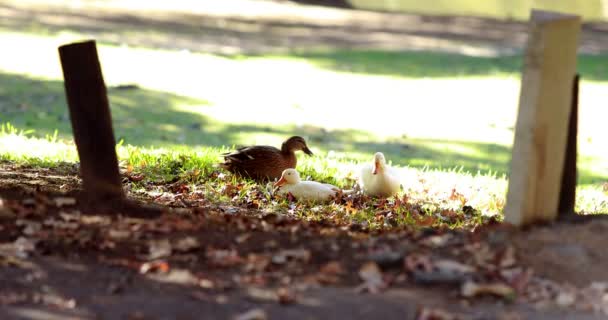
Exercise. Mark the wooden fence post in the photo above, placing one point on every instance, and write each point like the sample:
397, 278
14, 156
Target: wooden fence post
92, 127
541, 131
91, 120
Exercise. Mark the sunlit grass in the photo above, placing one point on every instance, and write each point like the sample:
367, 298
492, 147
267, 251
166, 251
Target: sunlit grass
446, 120
436, 110
430, 189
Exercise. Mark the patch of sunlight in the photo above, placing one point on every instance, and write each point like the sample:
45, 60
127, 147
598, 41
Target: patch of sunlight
590, 199
592, 120
296, 92
20, 146
168, 127
456, 148
265, 138
440, 184
125, 102
519, 9
284, 93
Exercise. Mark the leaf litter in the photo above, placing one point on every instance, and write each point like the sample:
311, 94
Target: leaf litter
279, 250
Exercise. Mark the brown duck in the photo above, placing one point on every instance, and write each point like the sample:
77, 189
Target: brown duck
264, 162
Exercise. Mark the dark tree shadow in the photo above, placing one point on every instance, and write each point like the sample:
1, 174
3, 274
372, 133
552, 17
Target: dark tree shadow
147, 118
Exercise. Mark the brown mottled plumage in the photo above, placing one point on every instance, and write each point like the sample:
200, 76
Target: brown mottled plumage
264, 162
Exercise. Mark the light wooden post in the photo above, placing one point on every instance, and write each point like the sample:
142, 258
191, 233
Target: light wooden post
542, 122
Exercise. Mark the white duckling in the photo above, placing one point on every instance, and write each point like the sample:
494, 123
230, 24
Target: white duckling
290, 182
378, 179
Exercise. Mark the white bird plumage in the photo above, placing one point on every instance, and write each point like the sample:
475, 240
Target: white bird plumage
290, 182
379, 179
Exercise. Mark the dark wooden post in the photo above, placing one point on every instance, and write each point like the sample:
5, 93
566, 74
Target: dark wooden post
568, 191
91, 121
92, 127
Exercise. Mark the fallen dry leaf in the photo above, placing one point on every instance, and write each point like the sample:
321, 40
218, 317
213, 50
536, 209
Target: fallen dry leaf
418, 262
565, 298
153, 266
372, 277
30, 227
253, 314
242, 238
262, 294
510, 315
119, 234
257, 262
223, 258
186, 244
518, 278
291, 254
159, 249
453, 266
506, 258
332, 267
471, 289
594, 297
177, 276
286, 296
444, 271
425, 221
435, 314
64, 201
24, 246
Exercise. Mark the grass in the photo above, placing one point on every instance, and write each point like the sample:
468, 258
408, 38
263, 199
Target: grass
428, 194
445, 119
452, 198
437, 64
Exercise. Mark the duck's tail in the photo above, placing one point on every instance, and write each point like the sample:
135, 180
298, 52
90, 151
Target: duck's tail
349, 192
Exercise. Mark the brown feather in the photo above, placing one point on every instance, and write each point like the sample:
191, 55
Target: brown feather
263, 162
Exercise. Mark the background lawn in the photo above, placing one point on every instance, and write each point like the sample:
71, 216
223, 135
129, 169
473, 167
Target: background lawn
429, 112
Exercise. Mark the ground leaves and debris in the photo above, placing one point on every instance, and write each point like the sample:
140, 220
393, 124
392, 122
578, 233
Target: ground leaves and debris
272, 258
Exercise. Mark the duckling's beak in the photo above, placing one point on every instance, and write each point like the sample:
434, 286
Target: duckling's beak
376, 168
281, 182
307, 151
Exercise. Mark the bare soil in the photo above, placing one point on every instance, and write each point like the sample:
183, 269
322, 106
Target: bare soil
61, 261
250, 27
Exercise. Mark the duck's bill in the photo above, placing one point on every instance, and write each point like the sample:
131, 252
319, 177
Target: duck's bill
307, 151
376, 167
280, 182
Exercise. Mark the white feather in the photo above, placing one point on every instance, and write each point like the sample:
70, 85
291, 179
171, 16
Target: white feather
385, 183
306, 190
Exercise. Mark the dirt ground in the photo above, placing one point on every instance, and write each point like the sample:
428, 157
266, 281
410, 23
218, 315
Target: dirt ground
59, 260
250, 27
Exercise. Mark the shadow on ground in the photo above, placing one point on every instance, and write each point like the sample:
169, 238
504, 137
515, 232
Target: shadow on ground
48, 252
374, 43
437, 64
147, 118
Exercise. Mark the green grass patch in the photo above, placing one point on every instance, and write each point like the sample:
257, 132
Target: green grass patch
437, 65
451, 198
446, 120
